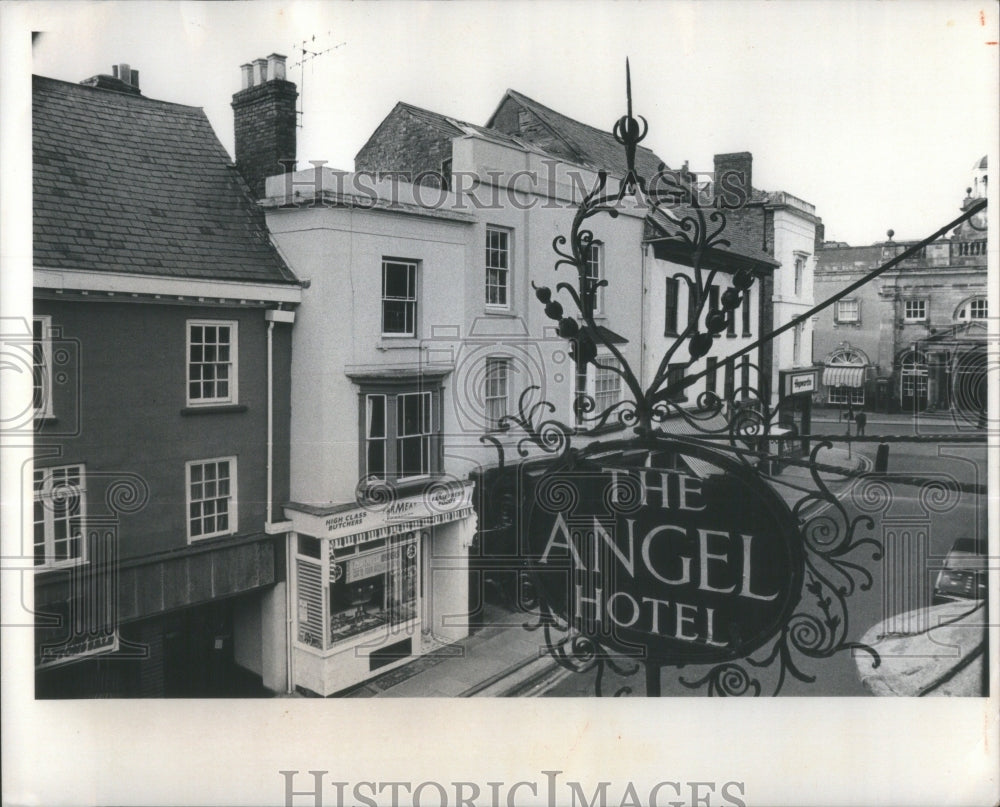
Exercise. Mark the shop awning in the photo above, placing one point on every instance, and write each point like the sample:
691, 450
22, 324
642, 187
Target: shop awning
835, 375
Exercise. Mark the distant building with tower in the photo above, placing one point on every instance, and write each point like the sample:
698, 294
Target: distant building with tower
914, 339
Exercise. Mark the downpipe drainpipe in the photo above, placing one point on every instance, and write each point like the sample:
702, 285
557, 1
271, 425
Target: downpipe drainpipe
272, 316
270, 417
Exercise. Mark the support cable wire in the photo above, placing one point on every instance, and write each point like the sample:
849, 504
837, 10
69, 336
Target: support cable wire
666, 392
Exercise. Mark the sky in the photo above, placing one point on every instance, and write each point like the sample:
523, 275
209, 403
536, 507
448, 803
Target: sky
873, 112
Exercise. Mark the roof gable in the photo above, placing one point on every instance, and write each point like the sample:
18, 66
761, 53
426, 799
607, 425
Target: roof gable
567, 137
125, 183
402, 116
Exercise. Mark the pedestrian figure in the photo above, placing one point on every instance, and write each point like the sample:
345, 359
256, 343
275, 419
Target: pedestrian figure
861, 419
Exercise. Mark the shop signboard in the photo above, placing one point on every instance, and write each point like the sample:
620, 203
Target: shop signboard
374, 563
799, 383
670, 551
79, 645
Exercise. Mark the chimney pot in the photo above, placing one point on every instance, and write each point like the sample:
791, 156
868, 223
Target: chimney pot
275, 67
247, 75
259, 71
125, 72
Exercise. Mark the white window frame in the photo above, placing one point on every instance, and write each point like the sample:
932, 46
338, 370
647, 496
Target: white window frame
496, 391
384, 439
393, 396
593, 391
856, 318
837, 395
411, 300
232, 510
48, 493
506, 285
233, 363
601, 377
597, 265
909, 308
426, 436
41, 380
800, 270
965, 310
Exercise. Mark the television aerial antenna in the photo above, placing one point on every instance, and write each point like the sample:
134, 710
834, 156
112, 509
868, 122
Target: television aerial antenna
306, 53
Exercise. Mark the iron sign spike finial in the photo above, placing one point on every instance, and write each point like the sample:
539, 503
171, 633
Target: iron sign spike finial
628, 87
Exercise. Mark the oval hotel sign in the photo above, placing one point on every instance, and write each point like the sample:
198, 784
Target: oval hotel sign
667, 545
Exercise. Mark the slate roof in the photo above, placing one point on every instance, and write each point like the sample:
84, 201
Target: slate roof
451, 127
455, 127
125, 183
595, 147
743, 241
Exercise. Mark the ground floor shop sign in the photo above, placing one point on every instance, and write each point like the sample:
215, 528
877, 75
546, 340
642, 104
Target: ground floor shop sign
681, 552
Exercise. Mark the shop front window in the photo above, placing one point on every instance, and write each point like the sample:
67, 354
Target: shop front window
845, 395
372, 587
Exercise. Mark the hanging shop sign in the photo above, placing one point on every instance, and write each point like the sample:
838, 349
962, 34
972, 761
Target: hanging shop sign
668, 546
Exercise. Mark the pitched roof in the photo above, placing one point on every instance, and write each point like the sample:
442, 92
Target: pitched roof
125, 183
744, 242
449, 127
594, 147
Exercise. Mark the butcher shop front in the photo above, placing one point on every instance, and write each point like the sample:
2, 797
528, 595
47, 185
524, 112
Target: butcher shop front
374, 586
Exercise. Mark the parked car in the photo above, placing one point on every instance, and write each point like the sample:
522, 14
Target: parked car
963, 576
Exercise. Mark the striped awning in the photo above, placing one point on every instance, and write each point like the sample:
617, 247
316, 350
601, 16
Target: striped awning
400, 527
841, 375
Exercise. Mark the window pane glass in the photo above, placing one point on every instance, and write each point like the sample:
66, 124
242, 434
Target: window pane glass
395, 282
394, 317
210, 362
376, 457
376, 415
409, 456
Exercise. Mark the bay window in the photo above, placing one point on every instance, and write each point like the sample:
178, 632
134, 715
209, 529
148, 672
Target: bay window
400, 433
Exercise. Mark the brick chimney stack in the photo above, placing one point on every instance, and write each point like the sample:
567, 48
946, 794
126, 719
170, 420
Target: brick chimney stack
734, 178
265, 121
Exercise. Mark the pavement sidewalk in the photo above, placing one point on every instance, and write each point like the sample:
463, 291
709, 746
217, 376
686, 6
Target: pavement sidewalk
925, 419
500, 655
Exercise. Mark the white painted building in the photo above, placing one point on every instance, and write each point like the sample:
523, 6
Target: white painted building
793, 231
422, 332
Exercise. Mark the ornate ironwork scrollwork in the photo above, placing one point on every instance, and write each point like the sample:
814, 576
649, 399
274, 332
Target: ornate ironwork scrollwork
742, 421
819, 627
578, 653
